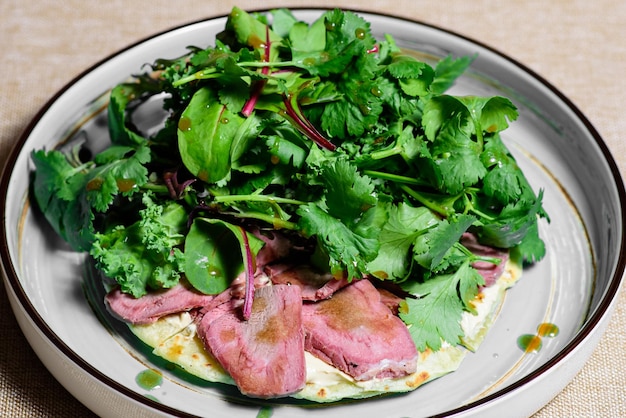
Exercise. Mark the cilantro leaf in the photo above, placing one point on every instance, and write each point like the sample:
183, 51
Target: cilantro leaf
348, 194
120, 169
453, 162
414, 76
504, 180
436, 314
447, 71
432, 248
512, 224
308, 43
532, 248
346, 249
397, 237
59, 190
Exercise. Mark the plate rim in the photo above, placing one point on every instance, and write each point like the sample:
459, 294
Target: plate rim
603, 308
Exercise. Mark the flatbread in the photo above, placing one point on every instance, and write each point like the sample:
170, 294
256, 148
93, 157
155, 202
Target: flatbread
174, 339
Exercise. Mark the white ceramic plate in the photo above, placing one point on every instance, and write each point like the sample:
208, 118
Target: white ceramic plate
574, 287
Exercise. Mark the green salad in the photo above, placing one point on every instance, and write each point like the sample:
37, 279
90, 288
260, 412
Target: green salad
347, 144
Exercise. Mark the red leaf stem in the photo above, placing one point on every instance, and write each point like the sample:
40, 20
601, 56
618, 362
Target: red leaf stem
248, 107
306, 127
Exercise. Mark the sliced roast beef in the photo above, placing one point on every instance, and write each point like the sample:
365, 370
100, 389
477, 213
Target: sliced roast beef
276, 246
390, 300
358, 334
237, 287
490, 271
265, 354
154, 305
313, 284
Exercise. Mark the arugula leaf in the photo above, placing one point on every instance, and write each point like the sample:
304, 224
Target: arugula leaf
251, 31
282, 21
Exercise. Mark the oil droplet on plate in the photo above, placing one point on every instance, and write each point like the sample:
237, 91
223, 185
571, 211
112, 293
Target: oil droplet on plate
547, 329
529, 343
149, 379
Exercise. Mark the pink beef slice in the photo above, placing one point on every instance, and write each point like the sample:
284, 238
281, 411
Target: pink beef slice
313, 284
265, 354
276, 246
491, 272
154, 305
358, 334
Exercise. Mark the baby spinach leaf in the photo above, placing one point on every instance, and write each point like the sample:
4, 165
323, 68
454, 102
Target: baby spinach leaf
206, 132
213, 254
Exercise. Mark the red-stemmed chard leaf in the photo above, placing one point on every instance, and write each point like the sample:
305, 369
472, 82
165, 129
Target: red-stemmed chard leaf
175, 188
294, 114
248, 107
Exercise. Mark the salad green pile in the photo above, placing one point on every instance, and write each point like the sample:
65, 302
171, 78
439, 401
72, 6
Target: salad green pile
345, 143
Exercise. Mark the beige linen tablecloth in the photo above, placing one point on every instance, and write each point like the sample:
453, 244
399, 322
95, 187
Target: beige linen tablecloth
579, 46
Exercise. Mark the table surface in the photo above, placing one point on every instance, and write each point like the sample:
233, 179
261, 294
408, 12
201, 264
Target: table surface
579, 46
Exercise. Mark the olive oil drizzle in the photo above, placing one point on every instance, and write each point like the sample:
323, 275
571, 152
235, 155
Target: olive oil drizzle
532, 343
